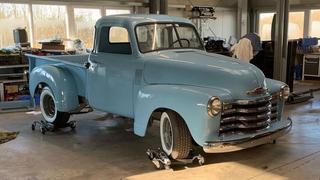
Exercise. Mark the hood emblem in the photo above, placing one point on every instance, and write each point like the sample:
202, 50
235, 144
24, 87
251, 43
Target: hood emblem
257, 91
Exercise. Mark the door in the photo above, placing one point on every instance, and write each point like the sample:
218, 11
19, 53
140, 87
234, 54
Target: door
111, 73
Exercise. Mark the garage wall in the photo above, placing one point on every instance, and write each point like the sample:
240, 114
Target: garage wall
224, 26
177, 12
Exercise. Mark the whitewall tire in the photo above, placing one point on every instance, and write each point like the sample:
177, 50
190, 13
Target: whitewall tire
49, 110
175, 136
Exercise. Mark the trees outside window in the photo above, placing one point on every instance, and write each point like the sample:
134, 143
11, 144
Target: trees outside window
265, 25
49, 22
296, 25
12, 16
315, 23
85, 20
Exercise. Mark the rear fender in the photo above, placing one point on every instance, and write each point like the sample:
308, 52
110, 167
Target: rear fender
60, 81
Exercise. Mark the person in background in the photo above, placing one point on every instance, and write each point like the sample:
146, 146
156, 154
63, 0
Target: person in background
243, 50
248, 47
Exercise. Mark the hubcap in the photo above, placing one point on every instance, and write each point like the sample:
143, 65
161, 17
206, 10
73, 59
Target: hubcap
49, 106
167, 134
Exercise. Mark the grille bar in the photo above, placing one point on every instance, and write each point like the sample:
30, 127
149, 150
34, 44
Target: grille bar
244, 116
248, 110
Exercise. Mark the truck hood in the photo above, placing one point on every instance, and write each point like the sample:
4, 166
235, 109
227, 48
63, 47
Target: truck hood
199, 68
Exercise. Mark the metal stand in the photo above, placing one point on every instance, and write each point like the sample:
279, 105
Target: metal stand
45, 126
161, 161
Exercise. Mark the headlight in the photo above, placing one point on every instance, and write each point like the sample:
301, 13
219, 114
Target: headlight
214, 106
284, 92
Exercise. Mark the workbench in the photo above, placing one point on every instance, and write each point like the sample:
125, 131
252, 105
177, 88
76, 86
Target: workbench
13, 76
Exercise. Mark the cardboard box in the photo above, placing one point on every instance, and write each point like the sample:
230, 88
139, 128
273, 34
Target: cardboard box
9, 89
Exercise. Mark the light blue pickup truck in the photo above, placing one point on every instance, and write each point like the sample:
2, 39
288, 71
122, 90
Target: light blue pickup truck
154, 67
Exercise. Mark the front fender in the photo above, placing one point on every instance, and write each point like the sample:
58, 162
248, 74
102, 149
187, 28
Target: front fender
274, 85
60, 81
188, 101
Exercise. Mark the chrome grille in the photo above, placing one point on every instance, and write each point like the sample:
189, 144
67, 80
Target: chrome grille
244, 116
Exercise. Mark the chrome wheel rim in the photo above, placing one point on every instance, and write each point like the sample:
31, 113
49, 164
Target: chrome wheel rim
166, 133
49, 106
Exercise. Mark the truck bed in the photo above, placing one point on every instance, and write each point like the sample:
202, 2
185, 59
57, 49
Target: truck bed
73, 63
76, 60
73, 59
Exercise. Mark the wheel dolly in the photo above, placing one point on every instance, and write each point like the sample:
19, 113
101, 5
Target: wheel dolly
45, 126
162, 161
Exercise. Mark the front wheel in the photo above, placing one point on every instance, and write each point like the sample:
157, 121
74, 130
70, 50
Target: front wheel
49, 110
175, 135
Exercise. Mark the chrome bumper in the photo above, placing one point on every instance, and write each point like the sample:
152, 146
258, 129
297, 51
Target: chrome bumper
239, 144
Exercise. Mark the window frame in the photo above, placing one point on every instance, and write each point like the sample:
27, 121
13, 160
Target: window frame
97, 41
165, 22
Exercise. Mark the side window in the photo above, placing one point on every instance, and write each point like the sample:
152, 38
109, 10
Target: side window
114, 40
118, 35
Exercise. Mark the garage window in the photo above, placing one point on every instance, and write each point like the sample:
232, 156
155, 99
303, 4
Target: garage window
12, 16
49, 22
265, 25
85, 20
296, 24
315, 23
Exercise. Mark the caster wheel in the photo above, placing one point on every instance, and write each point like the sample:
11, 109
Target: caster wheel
43, 130
33, 127
157, 164
73, 125
166, 167
150, 155
201, 161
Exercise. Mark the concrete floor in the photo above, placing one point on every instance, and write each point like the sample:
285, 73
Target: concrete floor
107, 149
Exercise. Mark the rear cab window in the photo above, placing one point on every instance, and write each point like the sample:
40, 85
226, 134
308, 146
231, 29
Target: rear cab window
114, 39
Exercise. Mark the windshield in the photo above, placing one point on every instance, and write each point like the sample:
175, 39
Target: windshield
155, 37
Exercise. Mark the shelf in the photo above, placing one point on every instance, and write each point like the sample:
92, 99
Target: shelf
13, 81
12, 74
7, 106
6, 55
14, 66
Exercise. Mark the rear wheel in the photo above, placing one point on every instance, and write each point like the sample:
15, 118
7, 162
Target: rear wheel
175, 135
49, 110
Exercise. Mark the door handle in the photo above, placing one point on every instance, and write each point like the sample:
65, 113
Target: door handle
87, 65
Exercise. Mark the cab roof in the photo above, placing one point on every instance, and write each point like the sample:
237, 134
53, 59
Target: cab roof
133, 19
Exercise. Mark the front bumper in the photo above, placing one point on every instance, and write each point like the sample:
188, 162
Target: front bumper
239, 144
